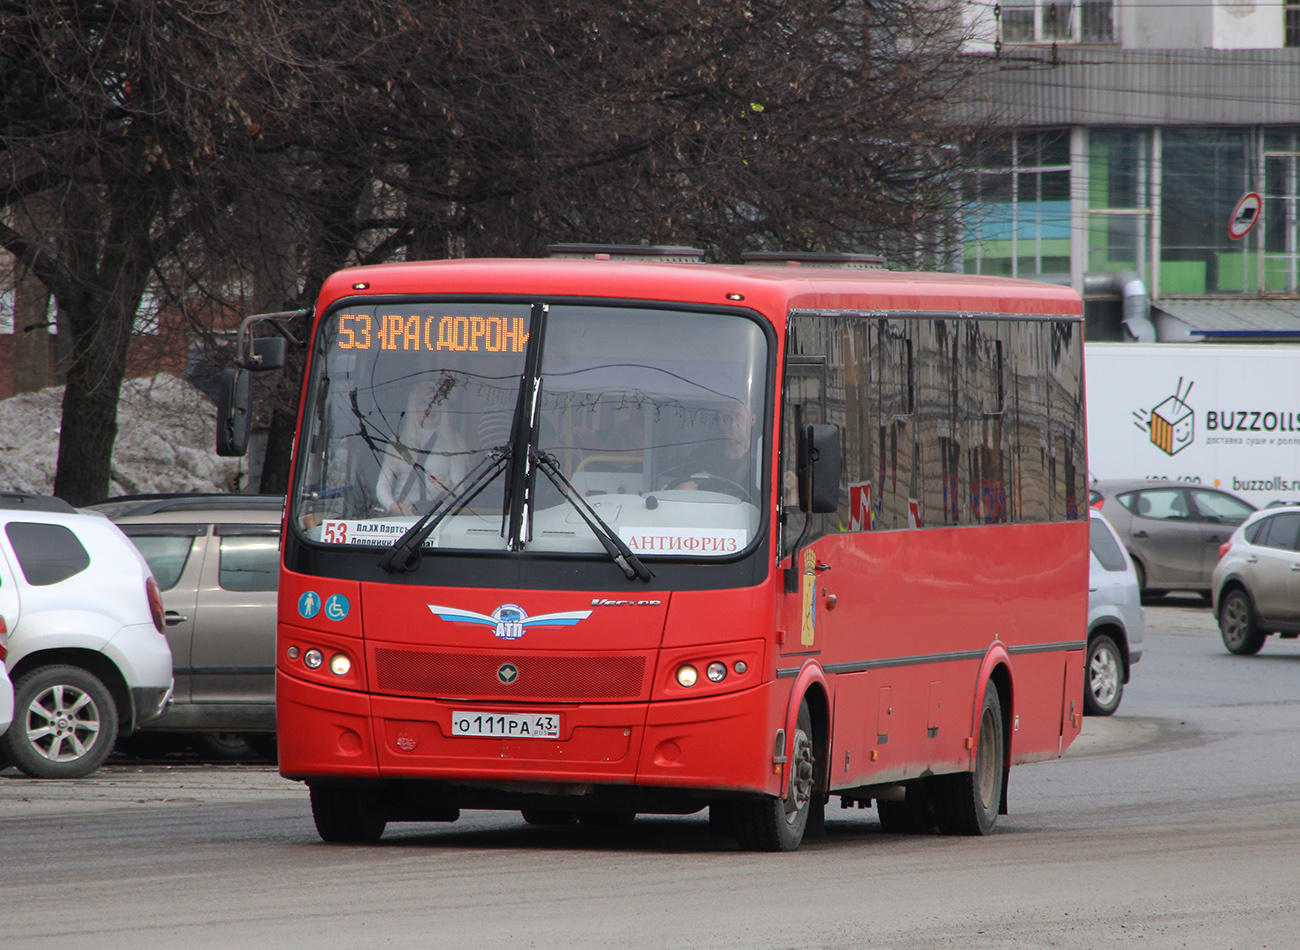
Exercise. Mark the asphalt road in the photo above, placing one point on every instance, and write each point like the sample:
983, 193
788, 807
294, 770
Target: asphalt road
1173, 824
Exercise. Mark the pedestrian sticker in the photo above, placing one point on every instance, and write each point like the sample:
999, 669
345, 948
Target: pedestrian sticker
309, 604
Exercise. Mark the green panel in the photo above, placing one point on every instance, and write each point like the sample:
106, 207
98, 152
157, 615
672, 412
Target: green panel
1182, 277
1232, 268
1051, 247
1277, 272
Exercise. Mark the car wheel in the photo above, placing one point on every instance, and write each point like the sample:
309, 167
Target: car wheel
1105, 671
1237, 624
346, 815
1141, 573
263, 744
967, 803
223, 746
65, 723
764, 823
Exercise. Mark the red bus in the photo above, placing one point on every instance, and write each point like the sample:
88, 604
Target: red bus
588, 538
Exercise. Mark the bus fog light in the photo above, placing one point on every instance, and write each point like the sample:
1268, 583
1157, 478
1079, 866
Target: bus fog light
687, 675
340, 665
716, 672
313, 658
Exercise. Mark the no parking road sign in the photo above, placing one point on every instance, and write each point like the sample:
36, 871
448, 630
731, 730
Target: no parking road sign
1245, 216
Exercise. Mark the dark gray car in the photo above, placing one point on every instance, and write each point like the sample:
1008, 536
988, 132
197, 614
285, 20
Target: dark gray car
216, 559
1172, 530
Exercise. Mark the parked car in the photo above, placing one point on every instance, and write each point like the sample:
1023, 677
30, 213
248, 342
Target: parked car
1257, 581
6, 692
1116, 620
1172, 530
216, 559
85, 649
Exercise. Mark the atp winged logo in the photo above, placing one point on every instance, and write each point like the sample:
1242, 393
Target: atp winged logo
509, 620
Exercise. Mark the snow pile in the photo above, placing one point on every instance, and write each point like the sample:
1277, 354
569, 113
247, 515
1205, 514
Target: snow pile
165, 440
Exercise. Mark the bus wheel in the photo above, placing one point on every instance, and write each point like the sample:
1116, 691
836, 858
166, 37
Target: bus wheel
549, 816
774, 824
346, 815
967, 803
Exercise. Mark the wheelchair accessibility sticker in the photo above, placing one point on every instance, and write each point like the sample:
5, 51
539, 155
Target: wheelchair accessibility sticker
336, 607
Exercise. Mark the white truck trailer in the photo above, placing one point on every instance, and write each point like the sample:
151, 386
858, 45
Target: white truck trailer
1223, 415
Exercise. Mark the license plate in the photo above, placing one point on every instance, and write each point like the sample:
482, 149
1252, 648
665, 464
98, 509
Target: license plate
506, 725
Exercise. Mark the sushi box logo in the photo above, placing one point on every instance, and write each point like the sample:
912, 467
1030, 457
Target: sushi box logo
1171, 425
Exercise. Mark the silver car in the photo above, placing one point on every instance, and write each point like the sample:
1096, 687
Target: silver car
1172, 530
1116, 620
1257, 581
216, 559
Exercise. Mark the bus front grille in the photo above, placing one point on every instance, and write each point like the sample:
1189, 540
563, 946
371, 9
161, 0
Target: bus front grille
474, 675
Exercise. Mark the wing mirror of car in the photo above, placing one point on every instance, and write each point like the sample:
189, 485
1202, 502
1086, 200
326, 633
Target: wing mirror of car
234, 411
819, 469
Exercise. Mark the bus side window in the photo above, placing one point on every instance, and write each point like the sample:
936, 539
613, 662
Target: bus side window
803, 403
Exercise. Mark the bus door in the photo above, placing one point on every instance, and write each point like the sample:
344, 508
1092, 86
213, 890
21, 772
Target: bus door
803, 403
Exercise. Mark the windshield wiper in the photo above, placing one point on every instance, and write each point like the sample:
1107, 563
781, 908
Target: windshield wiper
614, 546
406, 552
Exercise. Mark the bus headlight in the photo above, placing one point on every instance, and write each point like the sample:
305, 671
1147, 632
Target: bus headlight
716, 672
687, 675
313, 659
340, 665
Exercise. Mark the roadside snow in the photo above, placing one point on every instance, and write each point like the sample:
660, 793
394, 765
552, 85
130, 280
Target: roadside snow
165, 440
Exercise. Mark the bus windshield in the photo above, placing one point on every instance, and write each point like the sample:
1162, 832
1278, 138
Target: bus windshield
654, 417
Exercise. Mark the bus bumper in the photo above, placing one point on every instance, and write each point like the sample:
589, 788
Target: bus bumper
720, 743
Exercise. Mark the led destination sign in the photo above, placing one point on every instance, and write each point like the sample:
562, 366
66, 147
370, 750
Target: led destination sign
468, 334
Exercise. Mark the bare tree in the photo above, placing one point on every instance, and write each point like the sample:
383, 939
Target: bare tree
226, 156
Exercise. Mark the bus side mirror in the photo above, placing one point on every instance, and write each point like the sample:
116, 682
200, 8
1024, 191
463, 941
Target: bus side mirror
819, 469
234, 411
269, 352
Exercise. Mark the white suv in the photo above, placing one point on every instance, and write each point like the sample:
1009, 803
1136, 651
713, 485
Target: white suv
84, 647
6, 689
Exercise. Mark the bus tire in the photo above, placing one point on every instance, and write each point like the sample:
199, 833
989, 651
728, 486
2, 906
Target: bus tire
967, 803
764, 823
1241, 634
65, 723
346, 815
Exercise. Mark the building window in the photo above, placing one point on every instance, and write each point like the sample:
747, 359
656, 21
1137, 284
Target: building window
1291, 22
1056, 21
1019, 216
1204, 174
1118, 210
1280, 233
